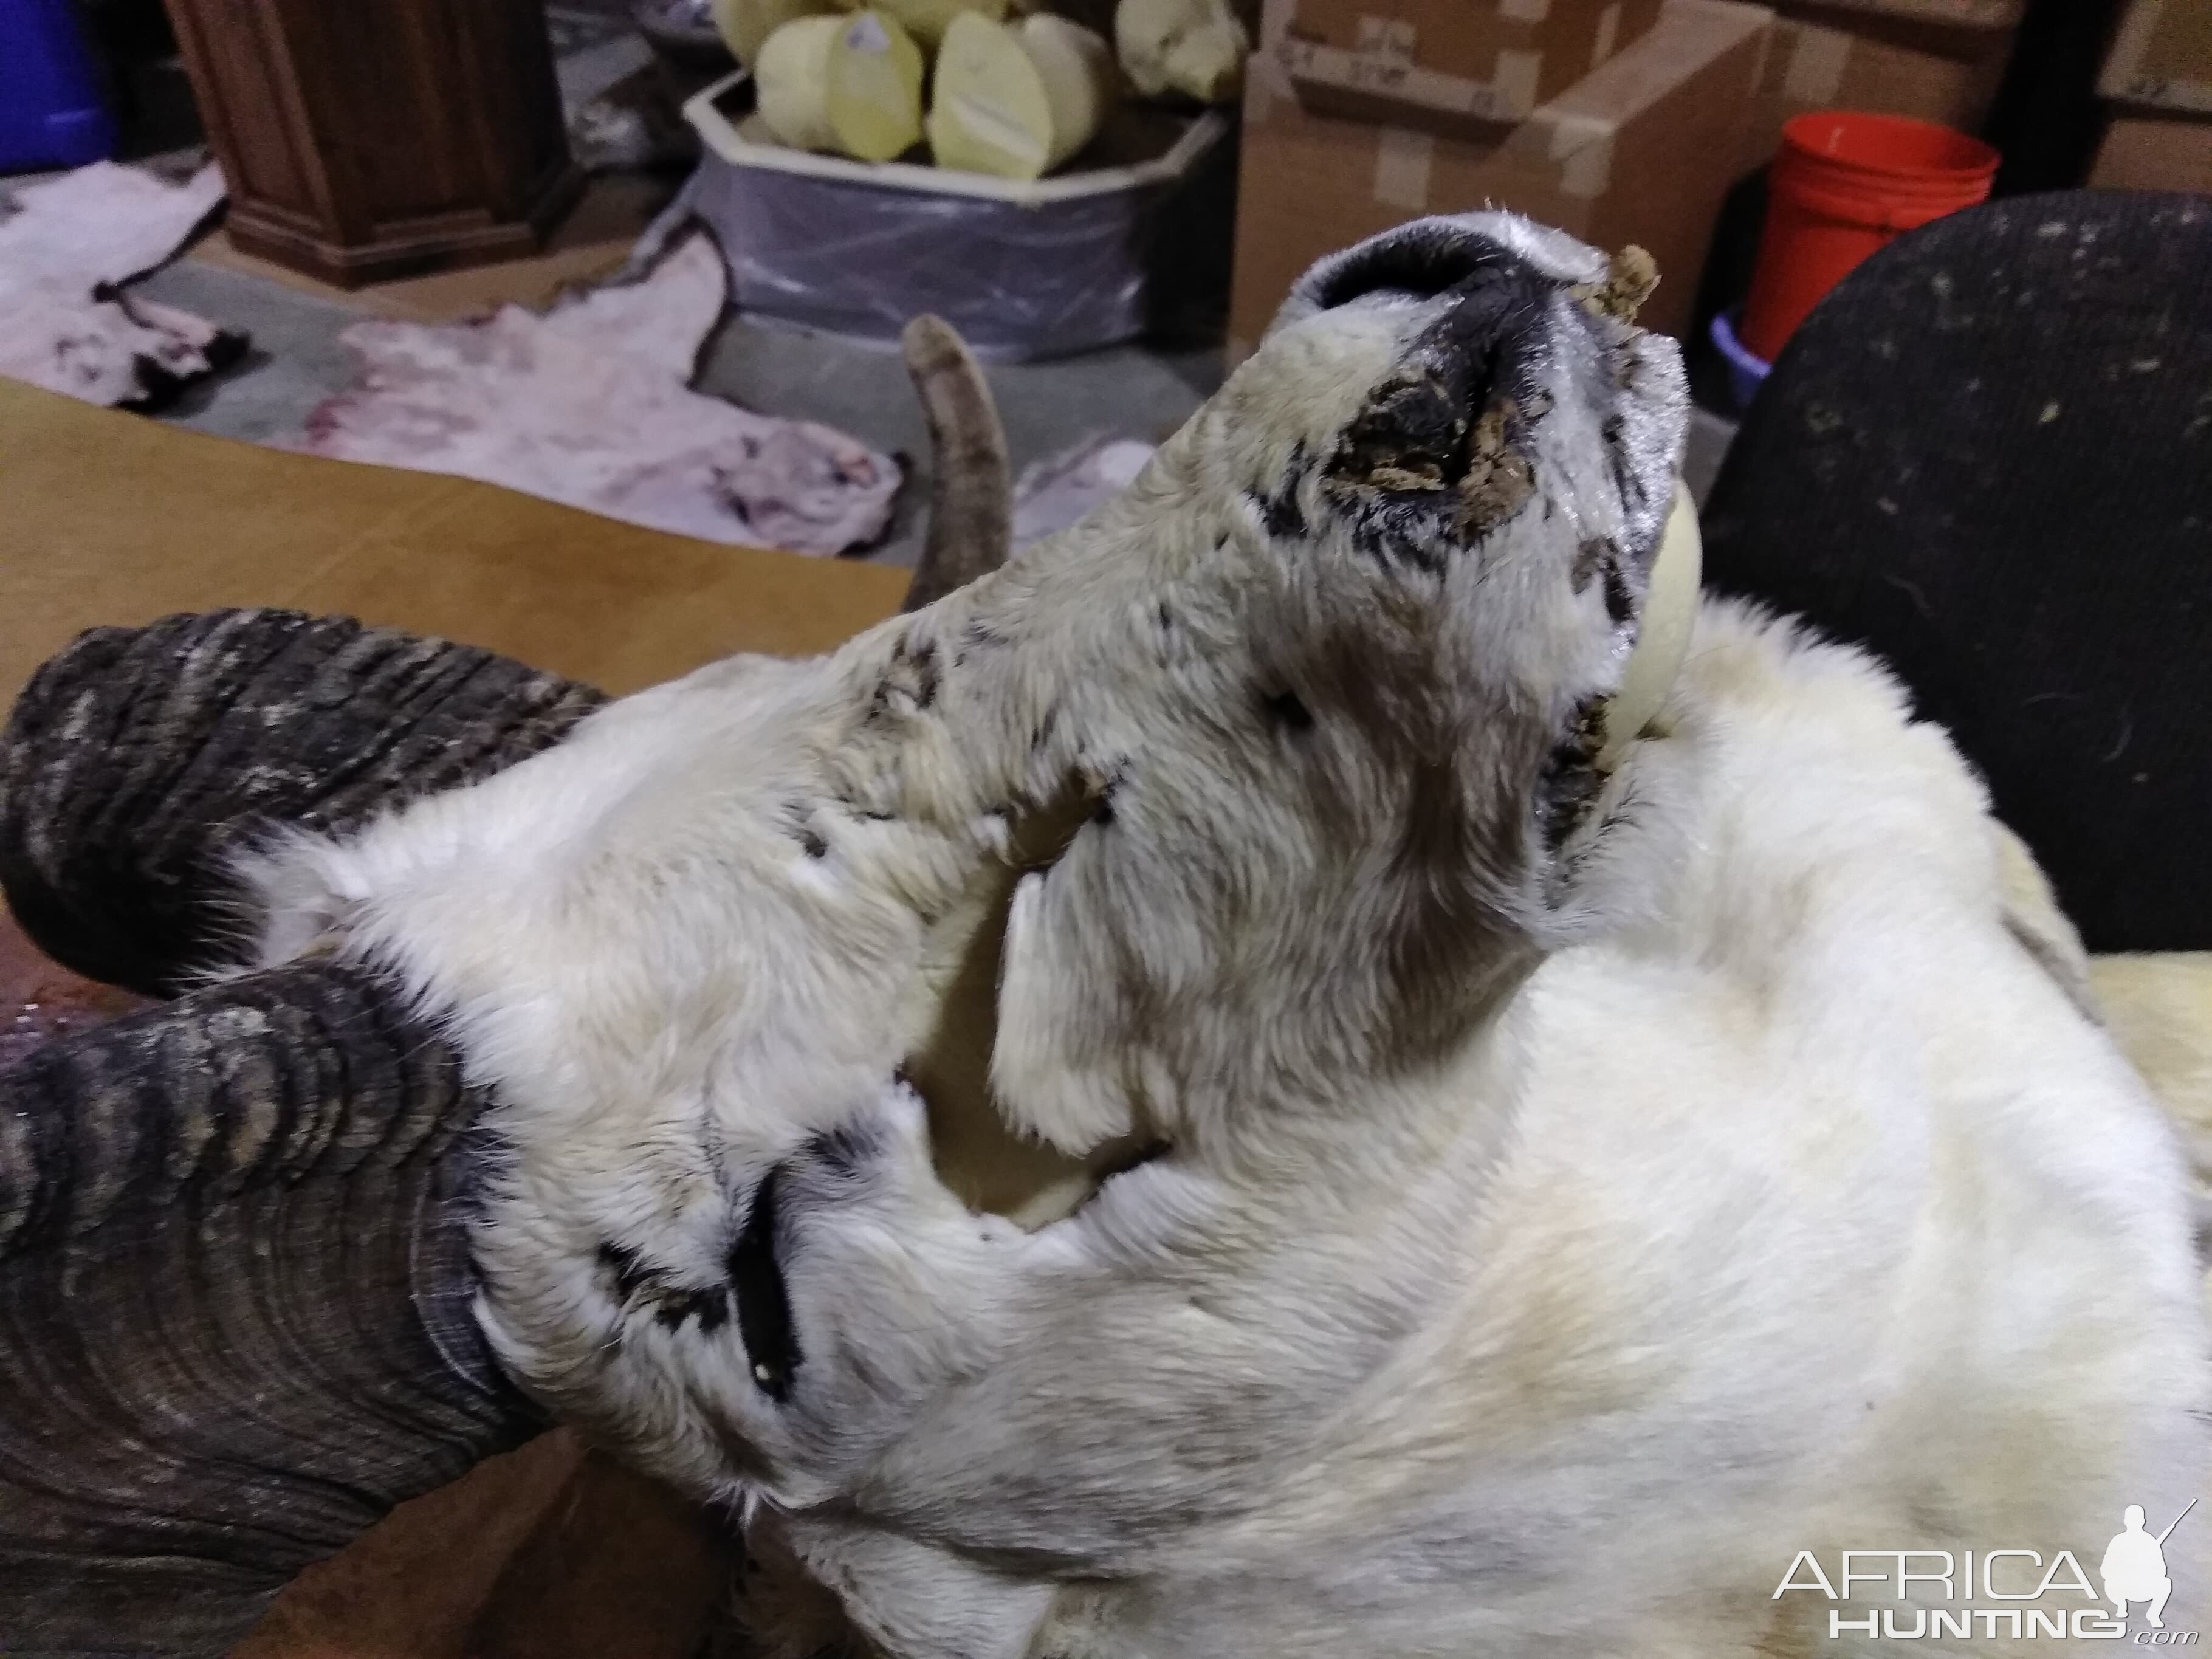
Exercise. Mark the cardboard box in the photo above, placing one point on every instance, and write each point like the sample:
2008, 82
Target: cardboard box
1458, 67
1944, 14
1824, 59
1640, 151
2162, 56
2142, 154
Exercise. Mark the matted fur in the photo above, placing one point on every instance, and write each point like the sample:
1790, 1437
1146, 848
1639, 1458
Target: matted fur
1574, 1194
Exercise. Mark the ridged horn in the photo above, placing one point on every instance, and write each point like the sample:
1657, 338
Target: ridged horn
235, 1297
971, 496
139, 759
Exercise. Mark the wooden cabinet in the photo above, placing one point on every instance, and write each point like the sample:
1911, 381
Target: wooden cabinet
365, 139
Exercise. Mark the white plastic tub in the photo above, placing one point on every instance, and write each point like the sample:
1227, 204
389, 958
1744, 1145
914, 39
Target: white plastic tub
1022, 268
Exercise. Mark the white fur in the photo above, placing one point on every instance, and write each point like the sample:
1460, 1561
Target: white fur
1554, 1235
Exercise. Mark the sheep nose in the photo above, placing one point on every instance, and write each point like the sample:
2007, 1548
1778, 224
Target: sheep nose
1422, 261
1451, 406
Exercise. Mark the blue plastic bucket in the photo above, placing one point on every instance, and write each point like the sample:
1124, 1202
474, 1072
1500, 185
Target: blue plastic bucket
1747, 372
51, 112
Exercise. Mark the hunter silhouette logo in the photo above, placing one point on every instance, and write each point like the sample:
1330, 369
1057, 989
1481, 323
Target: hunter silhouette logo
2134, 1567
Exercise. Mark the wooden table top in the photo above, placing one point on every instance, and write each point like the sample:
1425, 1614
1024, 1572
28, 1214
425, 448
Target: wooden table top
106, 517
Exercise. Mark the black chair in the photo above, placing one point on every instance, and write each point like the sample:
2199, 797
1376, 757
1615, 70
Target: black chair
1987, 454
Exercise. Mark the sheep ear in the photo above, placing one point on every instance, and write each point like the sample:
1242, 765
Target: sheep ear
971, 498
1043, 1088
1663, 626
2033, 917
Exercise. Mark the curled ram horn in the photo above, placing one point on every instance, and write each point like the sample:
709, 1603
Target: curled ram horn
235, 1290
140, 760
235, 1295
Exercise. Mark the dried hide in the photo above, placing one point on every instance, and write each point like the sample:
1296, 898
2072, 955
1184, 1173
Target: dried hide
1519, 1199
590, 403
67, 323
1230, 1087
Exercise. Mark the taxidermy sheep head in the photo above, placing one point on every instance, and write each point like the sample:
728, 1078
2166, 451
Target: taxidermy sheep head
1259, 785
1042, 1110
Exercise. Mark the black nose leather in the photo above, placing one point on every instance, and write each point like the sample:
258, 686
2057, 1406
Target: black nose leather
1420, 262
1438, 456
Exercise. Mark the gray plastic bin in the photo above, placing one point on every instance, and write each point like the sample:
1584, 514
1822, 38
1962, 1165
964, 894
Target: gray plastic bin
1022, 268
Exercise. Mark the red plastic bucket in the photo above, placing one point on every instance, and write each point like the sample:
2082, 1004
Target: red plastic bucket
1842, 185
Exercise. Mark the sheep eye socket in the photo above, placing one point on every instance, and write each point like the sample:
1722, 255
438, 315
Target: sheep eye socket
764, 1322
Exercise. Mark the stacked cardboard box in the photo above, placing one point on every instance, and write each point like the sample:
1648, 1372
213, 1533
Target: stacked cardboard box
1936, 60
1451, 66
2160, 71
2139, 154
2162, 57
1641, 149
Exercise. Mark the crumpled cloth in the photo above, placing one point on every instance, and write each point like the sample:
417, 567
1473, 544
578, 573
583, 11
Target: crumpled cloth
590, 403
66, 321
1055, 492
